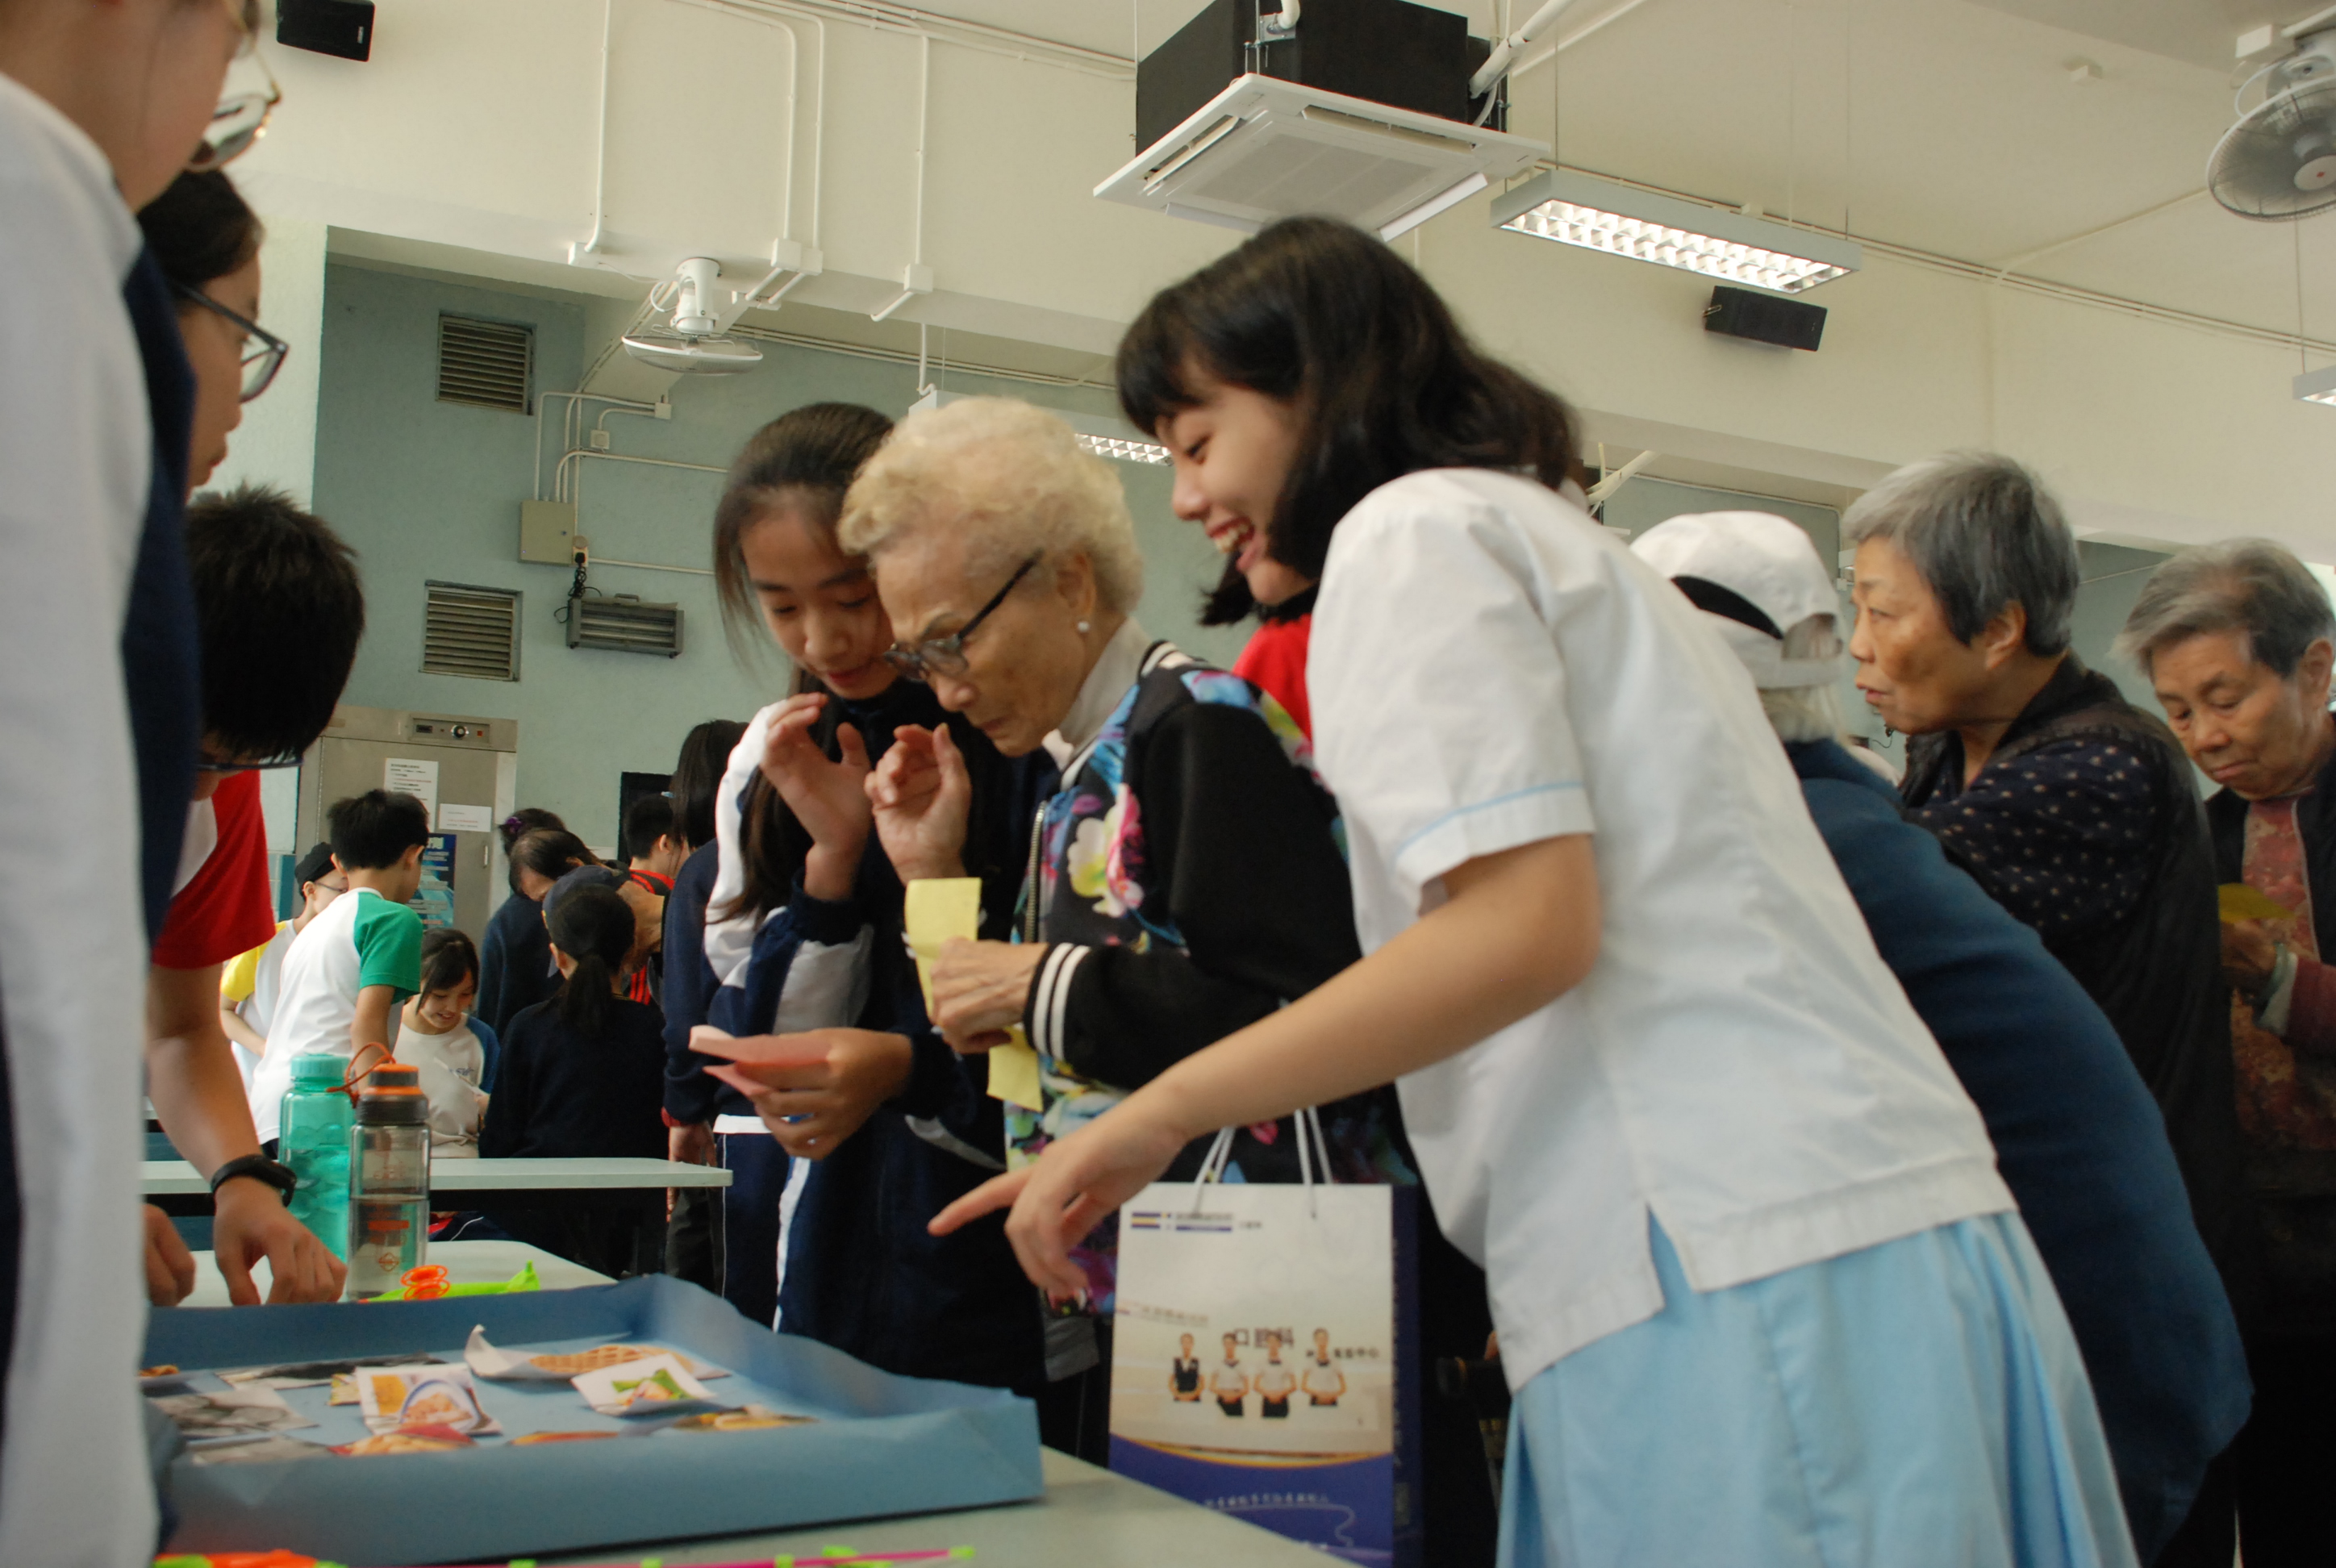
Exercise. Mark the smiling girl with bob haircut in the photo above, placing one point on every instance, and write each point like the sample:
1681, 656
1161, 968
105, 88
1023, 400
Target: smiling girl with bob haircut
1762, 1296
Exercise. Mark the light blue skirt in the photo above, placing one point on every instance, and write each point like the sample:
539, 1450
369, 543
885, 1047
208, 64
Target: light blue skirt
1920, 1404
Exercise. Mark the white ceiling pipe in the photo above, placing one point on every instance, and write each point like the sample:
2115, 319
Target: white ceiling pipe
1496, 64
1619, 477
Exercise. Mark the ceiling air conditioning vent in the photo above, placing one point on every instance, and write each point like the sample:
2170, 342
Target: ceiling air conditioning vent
625, 626
471, 631
1265, 149
484, 363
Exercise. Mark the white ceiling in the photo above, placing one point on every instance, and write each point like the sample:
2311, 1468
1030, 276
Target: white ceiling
1951, 126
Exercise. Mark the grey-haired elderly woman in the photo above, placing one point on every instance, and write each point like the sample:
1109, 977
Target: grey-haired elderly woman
2238, 640
1186, 878
2073, 808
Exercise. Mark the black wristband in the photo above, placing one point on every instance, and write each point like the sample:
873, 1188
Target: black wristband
259, 1167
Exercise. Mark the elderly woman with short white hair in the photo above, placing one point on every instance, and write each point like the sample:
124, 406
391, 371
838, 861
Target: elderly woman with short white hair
1187, 879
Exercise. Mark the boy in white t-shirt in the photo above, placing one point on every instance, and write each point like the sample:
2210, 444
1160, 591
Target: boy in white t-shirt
344, 976
249, 986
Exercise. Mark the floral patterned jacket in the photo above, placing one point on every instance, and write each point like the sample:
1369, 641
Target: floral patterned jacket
1189, 878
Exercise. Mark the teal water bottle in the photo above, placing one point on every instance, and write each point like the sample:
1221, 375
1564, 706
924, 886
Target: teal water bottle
313, 1139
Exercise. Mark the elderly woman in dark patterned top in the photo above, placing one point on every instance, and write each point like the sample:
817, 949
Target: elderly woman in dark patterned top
2238, 640
2073, 808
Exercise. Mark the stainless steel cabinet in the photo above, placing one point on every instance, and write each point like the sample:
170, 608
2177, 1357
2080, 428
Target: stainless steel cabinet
465, 767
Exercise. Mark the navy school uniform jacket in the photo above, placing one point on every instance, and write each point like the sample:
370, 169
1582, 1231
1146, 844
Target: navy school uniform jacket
691, 1094
2077, 1137
515, 968
861, 1272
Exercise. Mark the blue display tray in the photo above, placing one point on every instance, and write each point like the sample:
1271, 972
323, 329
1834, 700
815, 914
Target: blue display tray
882, 1445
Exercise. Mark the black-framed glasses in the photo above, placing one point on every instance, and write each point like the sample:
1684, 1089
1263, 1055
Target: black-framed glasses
946, 655
241, 118
260, 364
264, 764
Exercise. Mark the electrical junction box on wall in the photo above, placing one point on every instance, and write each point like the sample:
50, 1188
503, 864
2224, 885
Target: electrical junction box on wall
547, 532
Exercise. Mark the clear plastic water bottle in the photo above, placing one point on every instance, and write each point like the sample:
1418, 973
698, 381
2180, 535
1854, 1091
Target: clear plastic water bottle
389, 1181
313, 1139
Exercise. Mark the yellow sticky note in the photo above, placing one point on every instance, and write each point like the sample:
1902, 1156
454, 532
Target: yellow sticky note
1014, 1075
2244, 901
939, 910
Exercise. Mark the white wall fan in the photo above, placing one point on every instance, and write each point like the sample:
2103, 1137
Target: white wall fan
2279, 161
696, 342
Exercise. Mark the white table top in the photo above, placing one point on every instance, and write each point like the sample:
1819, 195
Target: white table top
163, 1178
1088, 1518
466, 1264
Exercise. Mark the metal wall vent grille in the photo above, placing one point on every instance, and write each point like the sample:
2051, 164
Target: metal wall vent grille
471, 631
484, 363
624, 625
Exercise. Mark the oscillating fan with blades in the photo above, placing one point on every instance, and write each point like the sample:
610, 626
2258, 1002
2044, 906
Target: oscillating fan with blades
2279, 161
697, 342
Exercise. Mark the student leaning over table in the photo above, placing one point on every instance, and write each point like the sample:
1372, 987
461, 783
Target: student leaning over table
269, 580
1761, 1292
1185, 877
100, 105
2238, 640
804, 929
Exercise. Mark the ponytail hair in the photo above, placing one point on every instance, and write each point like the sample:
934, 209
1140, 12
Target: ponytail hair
551, 853
806, 458
525, 821
594, 928
448, 958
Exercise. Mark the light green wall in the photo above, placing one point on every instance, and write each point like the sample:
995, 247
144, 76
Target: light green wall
425, 491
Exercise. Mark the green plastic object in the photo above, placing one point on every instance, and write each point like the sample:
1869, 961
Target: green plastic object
314, 1141
525, 1279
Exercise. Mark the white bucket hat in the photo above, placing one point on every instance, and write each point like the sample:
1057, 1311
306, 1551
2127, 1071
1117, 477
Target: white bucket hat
1755, 575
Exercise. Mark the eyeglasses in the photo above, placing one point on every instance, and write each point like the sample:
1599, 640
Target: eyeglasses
259, 365
247, 765
240, 119
946, 655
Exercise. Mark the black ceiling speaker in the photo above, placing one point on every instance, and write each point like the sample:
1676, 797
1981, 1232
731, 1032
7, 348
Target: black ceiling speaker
1765, 318
342, 27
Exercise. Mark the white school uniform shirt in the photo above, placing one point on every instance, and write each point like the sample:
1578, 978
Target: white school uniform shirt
359, 939
448, 1067
256, 1006
76, 448
1489, 668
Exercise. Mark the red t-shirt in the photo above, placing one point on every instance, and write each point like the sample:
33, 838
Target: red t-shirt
1275, 662
225, 909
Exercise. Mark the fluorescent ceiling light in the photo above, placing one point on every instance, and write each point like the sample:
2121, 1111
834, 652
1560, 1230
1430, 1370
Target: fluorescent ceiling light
1105, 437
1575, 210
2317, 386
1120, 450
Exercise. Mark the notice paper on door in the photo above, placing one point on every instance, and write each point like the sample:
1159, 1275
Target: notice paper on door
411, 776
938, 911
454, 819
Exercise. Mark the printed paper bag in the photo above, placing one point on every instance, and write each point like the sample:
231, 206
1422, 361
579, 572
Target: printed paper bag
1263, 1365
